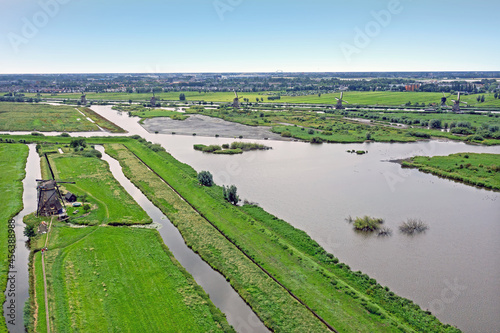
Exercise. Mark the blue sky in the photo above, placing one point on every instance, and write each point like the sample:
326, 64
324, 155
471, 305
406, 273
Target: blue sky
91, 36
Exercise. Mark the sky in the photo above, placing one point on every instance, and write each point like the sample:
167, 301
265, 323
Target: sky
174, 36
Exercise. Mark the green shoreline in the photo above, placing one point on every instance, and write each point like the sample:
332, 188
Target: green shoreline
481, 170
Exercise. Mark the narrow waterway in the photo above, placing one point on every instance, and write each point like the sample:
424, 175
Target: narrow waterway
17, 292
238, 313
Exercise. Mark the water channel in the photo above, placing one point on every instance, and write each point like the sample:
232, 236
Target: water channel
453, 269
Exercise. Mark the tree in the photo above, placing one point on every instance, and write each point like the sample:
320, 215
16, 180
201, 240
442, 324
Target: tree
29, 231
368, 136
496, 95
482, 99
435, 123
230, 194
182, 97
129, 101
478, 98
205, 178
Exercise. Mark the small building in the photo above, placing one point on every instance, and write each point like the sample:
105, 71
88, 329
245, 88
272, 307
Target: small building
83, 99
70, 197
48, 199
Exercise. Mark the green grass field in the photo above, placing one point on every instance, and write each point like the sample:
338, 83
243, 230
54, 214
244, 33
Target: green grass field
101, 121
353, 97
12, 163
42, 118
481, 170
113, 205
332, 290
118, 279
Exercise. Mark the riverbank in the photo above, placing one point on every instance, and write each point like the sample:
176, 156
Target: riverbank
481, 170
13, 159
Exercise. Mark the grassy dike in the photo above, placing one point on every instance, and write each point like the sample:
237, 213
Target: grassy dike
349, 301
346, 300
13, 159
108, 278
482, 170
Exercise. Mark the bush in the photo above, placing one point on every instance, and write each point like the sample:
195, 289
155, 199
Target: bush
367, 223
230, 194
310, 131
413, 226
286, 134
211, 148
92, 153
316, 139
205, 178
435, 123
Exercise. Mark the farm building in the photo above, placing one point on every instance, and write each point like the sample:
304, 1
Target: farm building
70, 197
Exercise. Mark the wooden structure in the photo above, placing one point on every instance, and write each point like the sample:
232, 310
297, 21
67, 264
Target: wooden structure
70, 197
49, 197
340, 100
152, 101
456, 104
236, 100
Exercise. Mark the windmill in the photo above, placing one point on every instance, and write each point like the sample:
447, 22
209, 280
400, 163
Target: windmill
236, 100
340, 101
456, 104
153, 99
49, 196
444, 99
83, 99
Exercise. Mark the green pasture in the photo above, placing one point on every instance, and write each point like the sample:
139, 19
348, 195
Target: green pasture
481, 170
12, 163
118, 279
42, 118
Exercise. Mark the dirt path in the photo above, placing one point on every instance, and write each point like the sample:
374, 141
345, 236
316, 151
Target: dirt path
45, 278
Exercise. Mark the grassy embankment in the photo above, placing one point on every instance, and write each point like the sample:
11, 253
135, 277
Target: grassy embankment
113, 278
101, 121
12, 163
349, 301
481, 170
144, 112
353, 97
42, 117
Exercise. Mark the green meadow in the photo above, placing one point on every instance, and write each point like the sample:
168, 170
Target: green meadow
111, 203
12, 163
353, 97
42, 118
481, 170
119, 279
